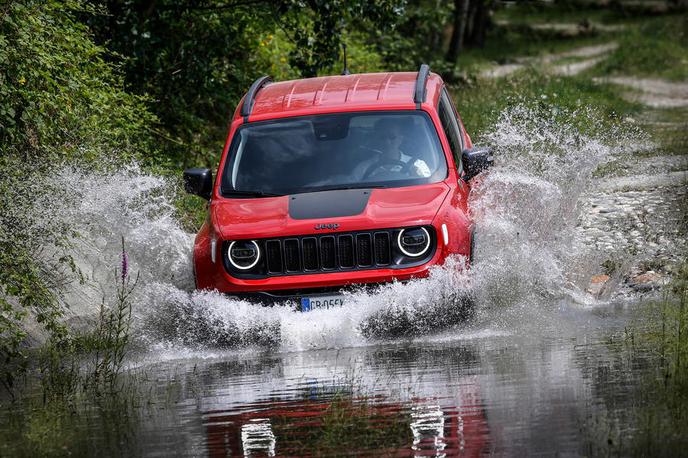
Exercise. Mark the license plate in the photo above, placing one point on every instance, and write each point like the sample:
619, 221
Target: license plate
321, 302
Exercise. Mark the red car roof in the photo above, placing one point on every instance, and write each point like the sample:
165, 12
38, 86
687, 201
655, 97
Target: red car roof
332, 93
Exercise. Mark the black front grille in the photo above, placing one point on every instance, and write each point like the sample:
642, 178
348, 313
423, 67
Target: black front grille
364, 250
292, 255
273, 252
328, 252
382, 248
346, 251
310, 253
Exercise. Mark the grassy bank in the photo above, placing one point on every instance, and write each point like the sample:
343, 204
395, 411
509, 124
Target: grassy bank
480, 102
655, 47
662, 413
656, 346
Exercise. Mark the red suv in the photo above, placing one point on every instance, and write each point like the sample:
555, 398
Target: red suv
335, 181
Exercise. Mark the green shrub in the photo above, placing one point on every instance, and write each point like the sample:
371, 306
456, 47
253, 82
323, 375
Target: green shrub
61, 99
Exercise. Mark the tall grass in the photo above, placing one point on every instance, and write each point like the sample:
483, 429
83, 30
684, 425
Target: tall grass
656, 47
660, 408
113, 332
663, 417
73, 364
79, 377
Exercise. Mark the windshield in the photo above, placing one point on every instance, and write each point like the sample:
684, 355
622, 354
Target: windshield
334, 151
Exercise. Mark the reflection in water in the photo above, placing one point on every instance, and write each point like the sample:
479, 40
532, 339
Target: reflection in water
358, 426
257, 438
504, 395
427, 424
419, 400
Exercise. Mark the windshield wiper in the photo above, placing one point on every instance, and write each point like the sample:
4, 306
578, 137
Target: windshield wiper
242, 193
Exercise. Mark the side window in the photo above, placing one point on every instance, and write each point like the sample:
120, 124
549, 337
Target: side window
451, 128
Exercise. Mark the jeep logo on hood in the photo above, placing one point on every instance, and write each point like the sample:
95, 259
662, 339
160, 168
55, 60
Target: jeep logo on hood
332, 226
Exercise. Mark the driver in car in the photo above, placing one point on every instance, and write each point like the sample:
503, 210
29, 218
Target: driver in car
391, 158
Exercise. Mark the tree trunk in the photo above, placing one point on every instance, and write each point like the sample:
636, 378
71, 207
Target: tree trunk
456, 43
470, 22
480, 21
436, 36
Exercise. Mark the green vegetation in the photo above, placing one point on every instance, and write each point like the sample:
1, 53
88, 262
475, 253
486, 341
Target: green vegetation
61, 101
656, 48
83, 423
670, 127
657, 348
102, 350
663, 417
481, 102
529, 13
508, 45
49, 424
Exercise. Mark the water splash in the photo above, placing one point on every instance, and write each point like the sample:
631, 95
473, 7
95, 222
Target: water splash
101, 208
528, 249
527, 252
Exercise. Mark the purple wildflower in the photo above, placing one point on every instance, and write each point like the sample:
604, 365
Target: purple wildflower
125, 263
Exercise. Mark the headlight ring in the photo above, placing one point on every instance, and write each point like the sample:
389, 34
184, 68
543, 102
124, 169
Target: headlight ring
404, 248
241, 259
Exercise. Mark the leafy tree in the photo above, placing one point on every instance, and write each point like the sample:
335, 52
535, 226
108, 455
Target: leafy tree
194, 59
417, 36
316, 27
60, 98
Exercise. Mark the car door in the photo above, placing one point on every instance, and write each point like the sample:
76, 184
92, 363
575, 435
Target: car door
452, 129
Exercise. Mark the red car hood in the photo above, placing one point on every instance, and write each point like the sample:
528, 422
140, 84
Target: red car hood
276, 217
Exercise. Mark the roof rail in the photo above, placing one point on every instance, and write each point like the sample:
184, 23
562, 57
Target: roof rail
419, 95
250, 98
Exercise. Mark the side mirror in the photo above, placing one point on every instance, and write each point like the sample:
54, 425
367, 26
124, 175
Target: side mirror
475, 160
198, 182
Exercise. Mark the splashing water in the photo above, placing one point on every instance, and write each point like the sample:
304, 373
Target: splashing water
526, 209
525, 212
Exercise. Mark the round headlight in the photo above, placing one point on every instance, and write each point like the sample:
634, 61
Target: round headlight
243, 254
414, 242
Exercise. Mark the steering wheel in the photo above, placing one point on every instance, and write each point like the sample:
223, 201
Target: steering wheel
383, 162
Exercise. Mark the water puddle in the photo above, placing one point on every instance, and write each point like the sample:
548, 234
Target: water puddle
481, 392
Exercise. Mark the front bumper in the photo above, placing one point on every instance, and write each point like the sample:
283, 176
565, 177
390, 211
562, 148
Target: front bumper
220, 280
293, 297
